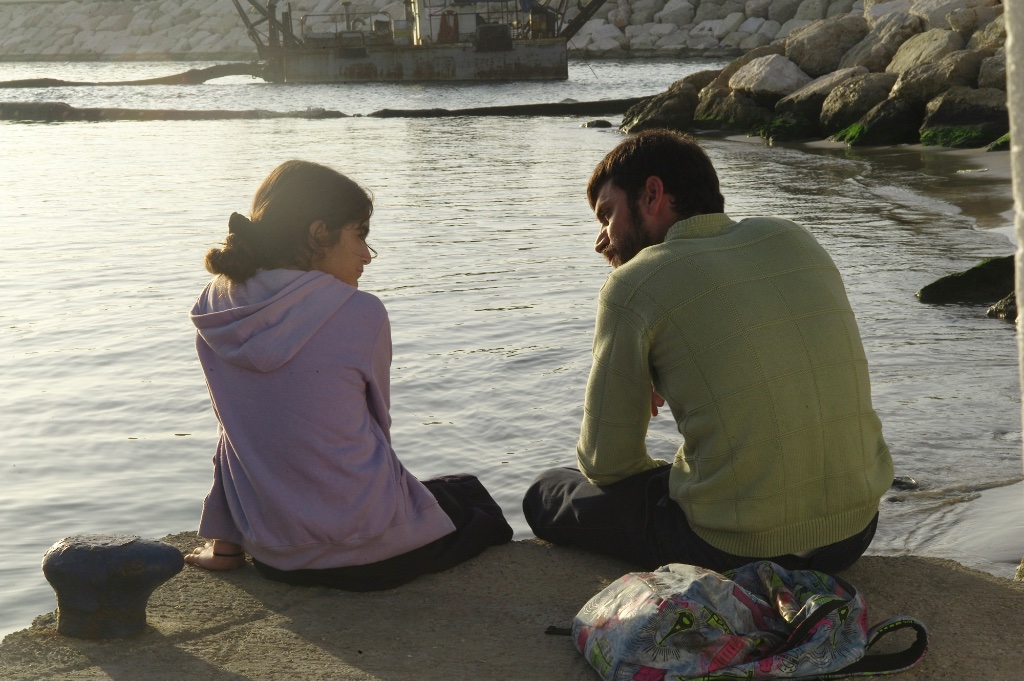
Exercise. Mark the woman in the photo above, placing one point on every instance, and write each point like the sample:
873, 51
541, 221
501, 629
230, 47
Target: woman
297, 361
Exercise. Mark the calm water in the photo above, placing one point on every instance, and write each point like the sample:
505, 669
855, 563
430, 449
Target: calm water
486, 267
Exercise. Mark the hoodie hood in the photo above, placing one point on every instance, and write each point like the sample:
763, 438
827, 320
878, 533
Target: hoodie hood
262, 323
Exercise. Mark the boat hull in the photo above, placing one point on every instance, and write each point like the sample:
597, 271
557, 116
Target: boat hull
542, 59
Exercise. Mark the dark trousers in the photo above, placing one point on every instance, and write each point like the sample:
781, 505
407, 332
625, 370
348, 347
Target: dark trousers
479, 524
636, 520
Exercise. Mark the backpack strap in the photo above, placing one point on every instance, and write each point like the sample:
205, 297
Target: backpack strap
884, 664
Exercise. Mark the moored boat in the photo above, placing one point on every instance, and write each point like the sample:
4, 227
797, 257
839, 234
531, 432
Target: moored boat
433, 40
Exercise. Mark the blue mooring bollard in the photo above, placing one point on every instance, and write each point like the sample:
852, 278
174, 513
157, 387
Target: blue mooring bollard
103, 582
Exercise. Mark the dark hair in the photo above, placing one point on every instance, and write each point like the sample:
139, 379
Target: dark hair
685, 170
295, 195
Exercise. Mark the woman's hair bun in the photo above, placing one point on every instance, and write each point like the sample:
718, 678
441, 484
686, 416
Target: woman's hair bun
238, 260
239, 224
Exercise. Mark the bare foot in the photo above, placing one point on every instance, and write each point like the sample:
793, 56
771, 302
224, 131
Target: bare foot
217, 555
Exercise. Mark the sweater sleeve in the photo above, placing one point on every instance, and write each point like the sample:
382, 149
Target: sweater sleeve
617, 408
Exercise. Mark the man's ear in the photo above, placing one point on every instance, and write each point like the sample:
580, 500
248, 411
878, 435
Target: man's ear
654, 198
658, 208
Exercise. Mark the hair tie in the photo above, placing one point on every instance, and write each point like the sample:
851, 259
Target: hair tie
239, 224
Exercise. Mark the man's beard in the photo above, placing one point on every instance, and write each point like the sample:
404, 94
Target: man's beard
636, 240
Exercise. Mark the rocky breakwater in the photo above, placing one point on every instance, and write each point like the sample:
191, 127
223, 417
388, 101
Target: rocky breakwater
145, 29
212, 29
698, 28
902, 71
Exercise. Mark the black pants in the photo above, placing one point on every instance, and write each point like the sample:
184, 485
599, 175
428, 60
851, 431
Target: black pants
479, 524
636, 520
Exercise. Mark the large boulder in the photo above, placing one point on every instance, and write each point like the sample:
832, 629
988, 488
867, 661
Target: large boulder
721, 81
926, 81
707, 10
925, 47
819, 47
987, 281
755, 41
838, 7
766, 80
643, 11
991, 35
678, 12
731, 111
812, 10
804, 105
992, 73
966, 21
852, 99
673, 109
729, 25
790, 27
934, 12
877, 48
894, 121
757, 8
783, 10
875, 11
966, 117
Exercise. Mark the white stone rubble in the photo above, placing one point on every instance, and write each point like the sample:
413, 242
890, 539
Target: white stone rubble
212, 29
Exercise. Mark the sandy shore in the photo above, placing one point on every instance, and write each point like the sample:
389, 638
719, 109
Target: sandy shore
482, 620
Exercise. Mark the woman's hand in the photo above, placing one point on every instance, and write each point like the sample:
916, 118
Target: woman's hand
217, 555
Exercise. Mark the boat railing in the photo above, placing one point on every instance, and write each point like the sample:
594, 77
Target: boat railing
373, 26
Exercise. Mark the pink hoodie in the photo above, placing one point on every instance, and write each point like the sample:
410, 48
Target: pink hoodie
298, 367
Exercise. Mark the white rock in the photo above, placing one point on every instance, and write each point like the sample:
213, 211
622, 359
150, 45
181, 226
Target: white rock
677, 12
609, 32
677, 39
772, 76
591, 26
662, 30
789, 27
755, 41
752, 25
633, 31
641, 17
770, 28
757, 8
139, 27
735, 39
162, 22
604, 46
706, 28
702, 42
729, 24
876, 12
578, 42
644, 41
812, 10
619, 17
934, 12
644, 5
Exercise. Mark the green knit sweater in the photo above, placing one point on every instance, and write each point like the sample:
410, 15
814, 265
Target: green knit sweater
745, 330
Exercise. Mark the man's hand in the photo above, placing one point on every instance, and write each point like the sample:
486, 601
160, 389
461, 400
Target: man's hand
656, 402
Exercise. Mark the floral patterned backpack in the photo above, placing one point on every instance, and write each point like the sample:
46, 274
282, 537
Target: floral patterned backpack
759, 621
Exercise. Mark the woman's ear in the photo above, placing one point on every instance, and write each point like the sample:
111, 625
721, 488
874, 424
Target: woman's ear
318, 232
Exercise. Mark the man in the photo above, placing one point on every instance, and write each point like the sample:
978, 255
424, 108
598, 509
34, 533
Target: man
745, 330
